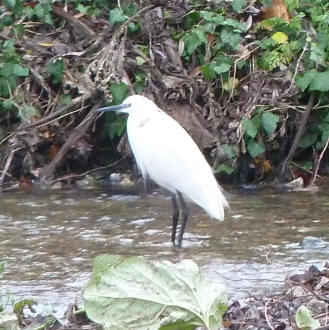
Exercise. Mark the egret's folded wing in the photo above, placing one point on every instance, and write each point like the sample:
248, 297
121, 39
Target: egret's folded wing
165, 152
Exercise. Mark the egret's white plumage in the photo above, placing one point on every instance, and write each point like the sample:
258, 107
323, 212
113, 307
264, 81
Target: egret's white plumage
166, 153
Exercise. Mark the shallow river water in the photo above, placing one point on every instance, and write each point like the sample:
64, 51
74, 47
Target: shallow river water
49, 239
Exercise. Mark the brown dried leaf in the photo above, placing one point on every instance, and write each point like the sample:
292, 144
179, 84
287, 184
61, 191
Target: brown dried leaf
278, 9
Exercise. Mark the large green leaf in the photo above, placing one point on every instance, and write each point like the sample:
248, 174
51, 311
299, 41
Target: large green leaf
251, 126
304, 319
119, 92
132, 293
238, 5
229, 37
308, 139
116, 16
255, 148
269, 122
194, 39
320, 82
304, 80
56, 69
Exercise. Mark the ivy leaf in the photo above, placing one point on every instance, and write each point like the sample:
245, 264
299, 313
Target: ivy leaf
238, 5
208, 71
10, 3
130, 10
207, 15
222, 67
255, 148
320, 82
269, 122
228, 169
251, 126
304, 80
116, 16
231, 38
64, 99
7, 104
194, 39
119, 92
318, 54
19, 71
228, 150
56, 70
140, 60
133, 27
6, 84
191, 19
114, 125
308, 139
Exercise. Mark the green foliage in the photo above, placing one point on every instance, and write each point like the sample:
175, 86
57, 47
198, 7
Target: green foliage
214, 31
315, 81
255, 148
11, 69
131, 292
64, 99
118, 16
225, 168
140, 82
315, 43
304, 319
262, 124
119, 92
317, 132
55, 69
269, 122
27, 112
115, 125
91, 10
277, 51
41, 12
238, 5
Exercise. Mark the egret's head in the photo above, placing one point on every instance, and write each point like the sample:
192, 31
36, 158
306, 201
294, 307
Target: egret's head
131, 104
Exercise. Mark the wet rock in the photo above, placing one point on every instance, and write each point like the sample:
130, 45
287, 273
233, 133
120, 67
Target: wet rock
8, 321
317, 306
57, 185
313, 243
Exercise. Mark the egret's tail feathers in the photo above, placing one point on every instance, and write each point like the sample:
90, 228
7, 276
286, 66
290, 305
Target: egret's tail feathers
215, 204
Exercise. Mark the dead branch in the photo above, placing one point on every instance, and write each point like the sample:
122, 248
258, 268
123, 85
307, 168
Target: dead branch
77, 24
76, 134
298, 135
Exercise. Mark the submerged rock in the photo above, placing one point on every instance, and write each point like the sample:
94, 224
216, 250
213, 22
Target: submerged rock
8, 321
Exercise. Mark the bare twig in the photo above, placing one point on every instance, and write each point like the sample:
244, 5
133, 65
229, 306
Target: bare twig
4, 172
319, 161
70, 176
297, 66
298, 135
77, 24
77, 133
266, 316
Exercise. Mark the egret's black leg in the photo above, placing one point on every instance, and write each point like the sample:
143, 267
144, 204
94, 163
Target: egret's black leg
175, 217
184, 218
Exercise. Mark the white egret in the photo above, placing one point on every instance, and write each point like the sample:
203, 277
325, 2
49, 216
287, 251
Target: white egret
167, 154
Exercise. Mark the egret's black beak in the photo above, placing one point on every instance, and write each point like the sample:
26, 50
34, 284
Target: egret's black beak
114, 107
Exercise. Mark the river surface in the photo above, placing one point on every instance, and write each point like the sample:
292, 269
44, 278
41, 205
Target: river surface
49, 239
